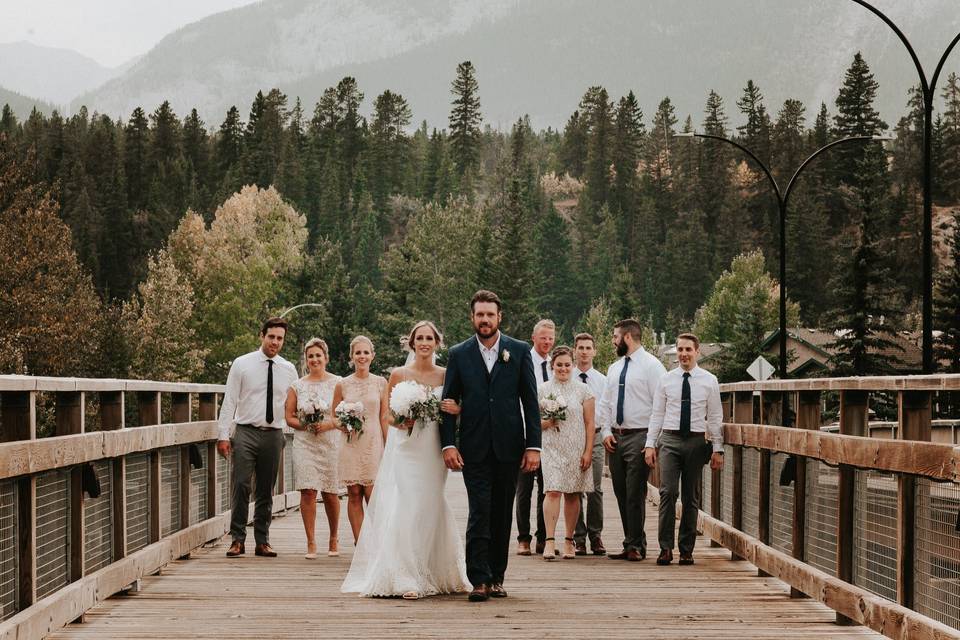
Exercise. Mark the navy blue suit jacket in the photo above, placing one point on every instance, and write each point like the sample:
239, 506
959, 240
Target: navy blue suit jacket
490, 415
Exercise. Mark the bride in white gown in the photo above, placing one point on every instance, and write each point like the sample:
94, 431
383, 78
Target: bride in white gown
409, 544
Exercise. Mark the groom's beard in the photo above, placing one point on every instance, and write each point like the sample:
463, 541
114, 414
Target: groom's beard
486, 330
622, 348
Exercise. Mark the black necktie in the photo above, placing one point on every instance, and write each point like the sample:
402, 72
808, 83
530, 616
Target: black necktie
685, 406
621, 389
543, 369
269, 391
583, 377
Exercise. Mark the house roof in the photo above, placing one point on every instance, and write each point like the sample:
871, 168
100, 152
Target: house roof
909, 356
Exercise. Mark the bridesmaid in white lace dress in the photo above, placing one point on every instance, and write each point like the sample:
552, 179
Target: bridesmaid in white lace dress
410, 545
567, 457
316, 446
360, 455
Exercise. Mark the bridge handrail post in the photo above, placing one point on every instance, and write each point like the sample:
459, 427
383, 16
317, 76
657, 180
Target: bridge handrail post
808, 417
771, 412
854, 405
207, 410
18, 412
914, 423
742, 414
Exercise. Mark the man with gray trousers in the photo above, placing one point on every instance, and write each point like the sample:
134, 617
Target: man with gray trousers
687, 425
257, 388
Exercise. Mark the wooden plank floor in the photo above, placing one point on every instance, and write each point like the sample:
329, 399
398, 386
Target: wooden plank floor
211, 596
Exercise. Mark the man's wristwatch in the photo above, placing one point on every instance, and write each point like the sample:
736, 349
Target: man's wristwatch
719, 452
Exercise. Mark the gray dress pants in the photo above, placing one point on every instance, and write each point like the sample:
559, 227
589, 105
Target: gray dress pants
681, 467
255, 452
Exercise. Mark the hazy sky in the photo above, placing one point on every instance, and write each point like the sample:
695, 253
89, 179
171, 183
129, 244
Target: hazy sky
109, 31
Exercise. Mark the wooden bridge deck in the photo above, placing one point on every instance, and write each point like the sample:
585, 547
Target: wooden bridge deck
211, 596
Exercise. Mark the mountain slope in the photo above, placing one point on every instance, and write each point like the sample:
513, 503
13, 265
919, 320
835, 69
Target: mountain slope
23, 105
534, 57
51, 74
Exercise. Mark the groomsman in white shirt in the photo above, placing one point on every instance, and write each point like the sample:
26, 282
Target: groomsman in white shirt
687, 425
585, 349
624, 416
251, 432
543, 337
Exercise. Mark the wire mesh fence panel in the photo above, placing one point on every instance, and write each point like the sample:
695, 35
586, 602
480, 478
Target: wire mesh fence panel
726, 508
53, 531
8, 550
781, 507
937, 571
98, 521
169, 490
223, 481
821, 517
706, 492
751, 493
875, 533
198, 489
137, 479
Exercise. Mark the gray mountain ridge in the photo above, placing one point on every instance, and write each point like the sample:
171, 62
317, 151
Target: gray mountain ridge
533, 57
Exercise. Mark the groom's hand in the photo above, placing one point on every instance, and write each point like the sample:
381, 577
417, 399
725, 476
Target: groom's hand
531, 461
451, 458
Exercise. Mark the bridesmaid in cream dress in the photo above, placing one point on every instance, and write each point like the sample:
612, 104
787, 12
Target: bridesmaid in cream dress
360, 457
316, 447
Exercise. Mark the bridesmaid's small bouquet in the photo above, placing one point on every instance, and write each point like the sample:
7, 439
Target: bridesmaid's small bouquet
411, 400
313, 411
350, 415
553, 407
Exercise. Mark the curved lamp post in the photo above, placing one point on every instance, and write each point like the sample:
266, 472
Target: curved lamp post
928, 90
783, 197
305, 304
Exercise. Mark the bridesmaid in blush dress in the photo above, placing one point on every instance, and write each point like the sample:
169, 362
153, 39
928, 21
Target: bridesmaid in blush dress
360, 456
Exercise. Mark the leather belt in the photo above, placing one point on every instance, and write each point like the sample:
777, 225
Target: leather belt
253, 426
622, 432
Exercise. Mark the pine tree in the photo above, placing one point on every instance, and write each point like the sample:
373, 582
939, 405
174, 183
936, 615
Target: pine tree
291, 177
628, 144
229, 151
389, 154
755, 132
573, 152
197, 153
136, 147
556, 285
465, 119
948, 171
598, 115
714, 167
856, 116
947, 302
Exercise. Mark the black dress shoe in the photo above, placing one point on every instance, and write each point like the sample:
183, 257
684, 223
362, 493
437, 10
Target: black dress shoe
665, 557
581, 547
497, 591
479, 593
685, 559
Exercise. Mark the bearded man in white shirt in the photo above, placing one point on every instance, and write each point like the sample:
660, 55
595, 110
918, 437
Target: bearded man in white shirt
624, 416
252, 412
687, 425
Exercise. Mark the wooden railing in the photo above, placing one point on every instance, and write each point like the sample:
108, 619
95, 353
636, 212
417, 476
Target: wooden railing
61, 550
868, 526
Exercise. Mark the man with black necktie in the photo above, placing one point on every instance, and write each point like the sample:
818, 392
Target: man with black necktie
590, 520
687, 425
624, 415
257, 388
543, 337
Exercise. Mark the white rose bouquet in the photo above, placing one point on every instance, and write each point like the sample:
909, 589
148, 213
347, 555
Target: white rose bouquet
553, 407
411, 400
350, 415
314, 409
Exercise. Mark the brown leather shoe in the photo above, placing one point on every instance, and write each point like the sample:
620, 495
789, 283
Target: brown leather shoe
685, 559
597, 546
497, 591
523, 549
480, 593
265, 550
634, 556
665, 557
581, 547
236, 549
618, 556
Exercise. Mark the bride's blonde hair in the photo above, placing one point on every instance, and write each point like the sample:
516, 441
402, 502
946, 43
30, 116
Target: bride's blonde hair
424, 323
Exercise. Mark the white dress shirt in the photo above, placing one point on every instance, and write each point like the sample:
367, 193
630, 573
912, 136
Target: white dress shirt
643, 376
245, 400
490, 355
706, 412
537, 360
595, 380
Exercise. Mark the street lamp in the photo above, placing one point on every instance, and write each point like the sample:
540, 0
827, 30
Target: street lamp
305, 304
783, 197
929, 93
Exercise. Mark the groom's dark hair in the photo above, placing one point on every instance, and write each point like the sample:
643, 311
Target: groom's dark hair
485, 296
271, 323
631, 326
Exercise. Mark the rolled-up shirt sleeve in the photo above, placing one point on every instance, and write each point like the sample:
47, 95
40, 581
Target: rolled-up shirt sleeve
228, 410
715, 416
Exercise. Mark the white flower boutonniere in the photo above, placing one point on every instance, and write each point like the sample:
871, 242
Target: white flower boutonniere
505, 356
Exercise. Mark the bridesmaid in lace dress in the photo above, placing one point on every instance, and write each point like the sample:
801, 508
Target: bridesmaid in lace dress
316, 446
567, 457
360, 456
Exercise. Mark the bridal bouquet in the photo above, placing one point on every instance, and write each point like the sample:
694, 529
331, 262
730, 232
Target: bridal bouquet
411, 400
553, 407
350, 415
314, 408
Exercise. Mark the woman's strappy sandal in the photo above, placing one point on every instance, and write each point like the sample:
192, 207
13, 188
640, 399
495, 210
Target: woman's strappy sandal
569, 553
548, 550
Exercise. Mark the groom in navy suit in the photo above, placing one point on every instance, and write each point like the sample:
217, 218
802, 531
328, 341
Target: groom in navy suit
491, 376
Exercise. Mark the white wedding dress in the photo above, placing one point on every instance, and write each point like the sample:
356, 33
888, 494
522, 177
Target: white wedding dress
409, 541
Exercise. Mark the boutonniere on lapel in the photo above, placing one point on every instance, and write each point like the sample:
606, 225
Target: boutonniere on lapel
505, 356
